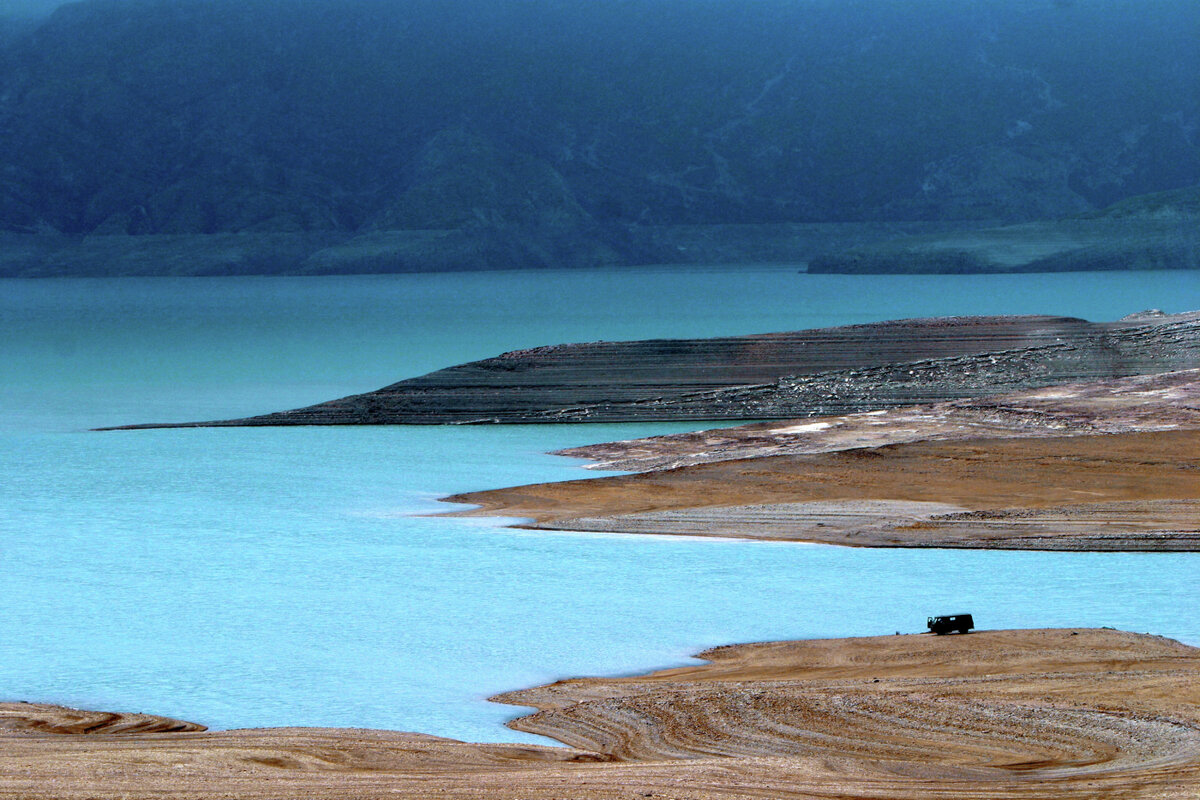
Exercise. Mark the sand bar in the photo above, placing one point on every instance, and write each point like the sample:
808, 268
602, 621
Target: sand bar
1099, 465
1129, 491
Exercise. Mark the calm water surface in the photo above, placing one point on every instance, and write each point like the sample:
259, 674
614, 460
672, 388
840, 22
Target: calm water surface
251, 577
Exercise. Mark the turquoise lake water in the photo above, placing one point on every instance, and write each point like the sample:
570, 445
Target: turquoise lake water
261, 577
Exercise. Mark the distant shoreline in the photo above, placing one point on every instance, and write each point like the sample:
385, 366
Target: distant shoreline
890, 247
226, 254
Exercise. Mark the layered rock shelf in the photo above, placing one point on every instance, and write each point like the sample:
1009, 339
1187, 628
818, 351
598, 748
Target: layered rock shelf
838, 370
1168, 401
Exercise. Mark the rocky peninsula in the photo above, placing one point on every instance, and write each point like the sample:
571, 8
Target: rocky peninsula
841, 370
995, 714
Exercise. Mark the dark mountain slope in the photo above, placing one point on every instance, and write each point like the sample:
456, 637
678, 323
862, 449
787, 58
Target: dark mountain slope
558, 133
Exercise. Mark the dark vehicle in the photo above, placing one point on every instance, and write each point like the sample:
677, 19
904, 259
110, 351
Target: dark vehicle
951, 623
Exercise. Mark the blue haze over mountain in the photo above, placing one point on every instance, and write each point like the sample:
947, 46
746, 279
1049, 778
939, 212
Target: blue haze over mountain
383, 135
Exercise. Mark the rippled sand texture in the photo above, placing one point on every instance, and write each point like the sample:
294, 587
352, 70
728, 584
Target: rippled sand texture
34, 719
999, 714
989, 714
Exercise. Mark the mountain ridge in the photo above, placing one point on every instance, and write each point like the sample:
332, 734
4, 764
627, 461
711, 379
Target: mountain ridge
548, 134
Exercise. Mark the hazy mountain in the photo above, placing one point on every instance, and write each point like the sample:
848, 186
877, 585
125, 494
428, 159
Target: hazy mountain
562, 132
1151, 231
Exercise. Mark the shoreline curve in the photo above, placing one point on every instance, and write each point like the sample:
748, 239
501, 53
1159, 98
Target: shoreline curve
995, 714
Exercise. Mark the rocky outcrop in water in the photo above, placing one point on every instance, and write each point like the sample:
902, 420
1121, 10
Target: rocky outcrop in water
779, 375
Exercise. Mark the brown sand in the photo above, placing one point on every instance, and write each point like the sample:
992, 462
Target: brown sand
1001, 714
1131, 491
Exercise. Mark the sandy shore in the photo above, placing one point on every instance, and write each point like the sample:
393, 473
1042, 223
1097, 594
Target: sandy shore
1108, 465
1135, 491
996, 714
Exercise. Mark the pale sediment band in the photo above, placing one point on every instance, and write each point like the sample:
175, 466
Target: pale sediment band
1151, 525
1166, 401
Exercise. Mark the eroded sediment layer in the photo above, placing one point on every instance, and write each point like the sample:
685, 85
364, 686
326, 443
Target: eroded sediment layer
1129, 491
823, 371
982, 707
41, 719
1141, 403
998, 714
